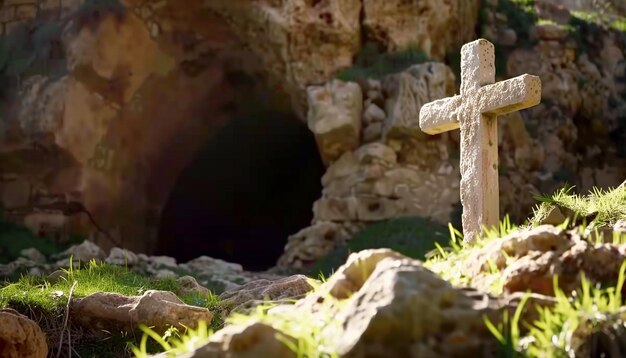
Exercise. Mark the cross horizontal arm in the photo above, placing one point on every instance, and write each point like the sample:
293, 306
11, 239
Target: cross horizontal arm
511, 95
440, 116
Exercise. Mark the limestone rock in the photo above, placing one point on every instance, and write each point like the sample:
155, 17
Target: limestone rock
334, 117
313, 242
373, 113
345, 166
205, 263
34, 255
426, 24
158, 309
408, 91
122, 257
401, 309
529, 259
84, 253
299, 43
254, 339
257, 292
549, 32
189, 285
20, 337
373, 152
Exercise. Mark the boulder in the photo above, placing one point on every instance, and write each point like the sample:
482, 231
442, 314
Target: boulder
529, 259
251, 340
382, 304
189, 285
82, 253
334, 117
20, 337
431, 26
157, 309
256, 292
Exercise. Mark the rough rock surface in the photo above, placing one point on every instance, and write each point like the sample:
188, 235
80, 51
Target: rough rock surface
158, 309
256, 292
529, 260
391, 305
435, 27
20, 337
397, 171
247, 341
115, 85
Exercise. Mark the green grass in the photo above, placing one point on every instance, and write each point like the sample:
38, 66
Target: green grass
597, 209
450, 262
562, 330
307, 334
411, 236
46, 301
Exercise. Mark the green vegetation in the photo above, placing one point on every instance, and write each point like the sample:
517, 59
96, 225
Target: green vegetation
373, 62
14, 238
599, 208
564, 330
314, 334
45, 300
559, 331
449, 262
521, 17
410, 236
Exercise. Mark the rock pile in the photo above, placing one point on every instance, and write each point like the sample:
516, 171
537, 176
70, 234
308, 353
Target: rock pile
381, 165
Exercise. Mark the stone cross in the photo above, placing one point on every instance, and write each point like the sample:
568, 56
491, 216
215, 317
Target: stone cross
475, 111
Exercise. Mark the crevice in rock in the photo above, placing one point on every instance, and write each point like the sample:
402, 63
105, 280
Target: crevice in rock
247, 190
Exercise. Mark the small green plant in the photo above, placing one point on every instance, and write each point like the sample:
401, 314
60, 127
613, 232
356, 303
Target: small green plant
173, 342
449, 262
410, 236
599, 208
306, 333
46, 301
14, 238
564, 327
508, 332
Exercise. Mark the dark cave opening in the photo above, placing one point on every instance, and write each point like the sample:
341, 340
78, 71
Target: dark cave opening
246, 191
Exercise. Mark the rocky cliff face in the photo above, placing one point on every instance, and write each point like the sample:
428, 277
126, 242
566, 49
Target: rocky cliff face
105, 102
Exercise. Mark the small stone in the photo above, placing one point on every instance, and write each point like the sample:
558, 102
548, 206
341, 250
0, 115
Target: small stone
549, 32
373, 113
34, 255
254, 339
507, 37
254, 292
366, 154
20, 337
122, 257
373, 132
164, 273
162, 261
84, 253
346, 165
335, 209
154, 29
335, 117
56, 276
189, 285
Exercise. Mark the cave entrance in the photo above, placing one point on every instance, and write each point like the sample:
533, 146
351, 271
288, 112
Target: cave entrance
250, 187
